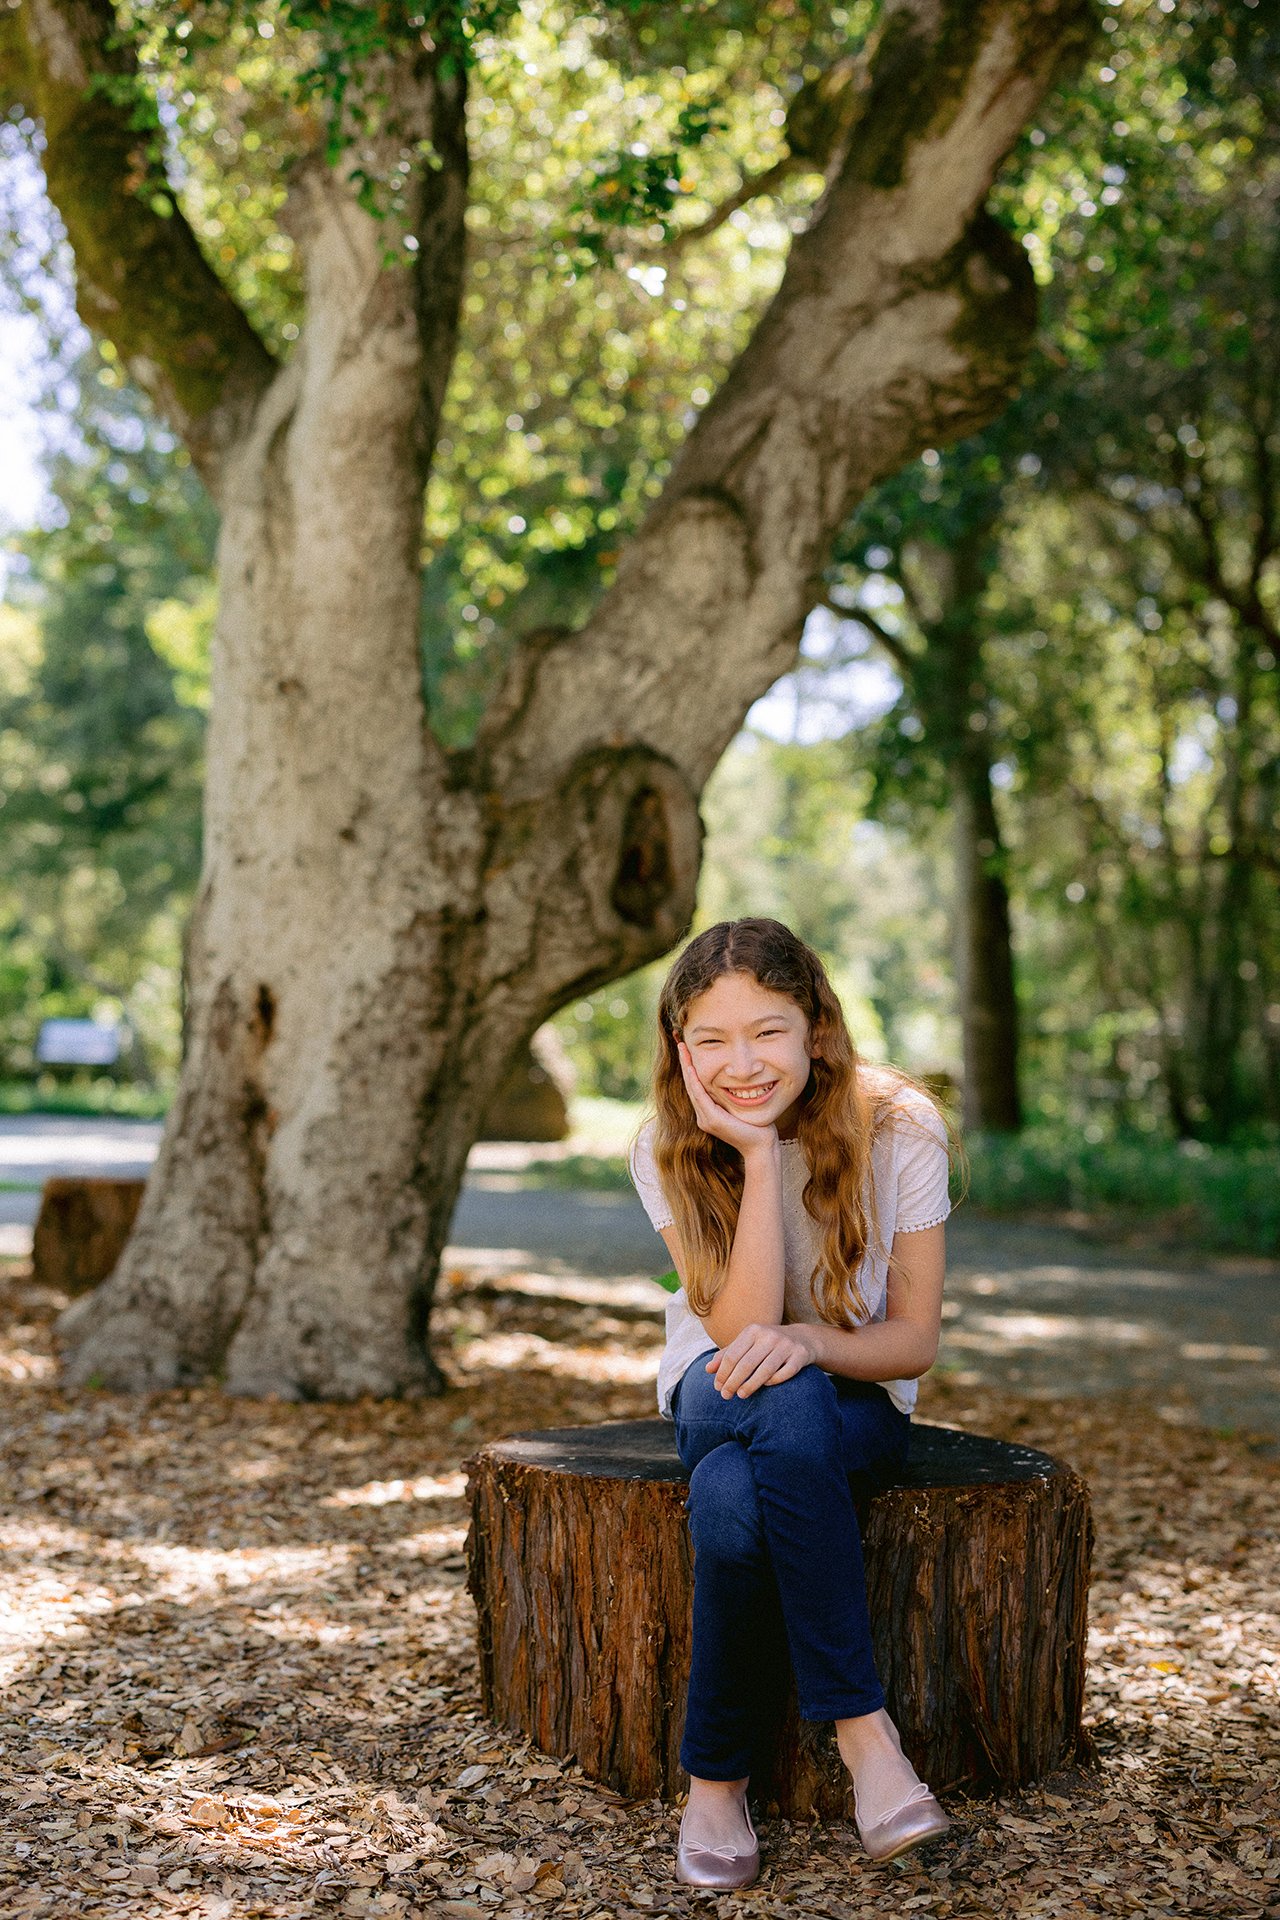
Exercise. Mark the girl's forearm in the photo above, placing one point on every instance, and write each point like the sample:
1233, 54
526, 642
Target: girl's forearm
881, 1350
754, 1285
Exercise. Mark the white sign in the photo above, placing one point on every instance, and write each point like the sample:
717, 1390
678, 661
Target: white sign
78, 1043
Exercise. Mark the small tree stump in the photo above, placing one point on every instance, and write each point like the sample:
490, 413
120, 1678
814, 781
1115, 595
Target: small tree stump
81, 1229
977, 1561
533, 1101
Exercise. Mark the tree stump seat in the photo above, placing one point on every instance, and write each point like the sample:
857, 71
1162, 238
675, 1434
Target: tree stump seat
80, 1231
977, 1557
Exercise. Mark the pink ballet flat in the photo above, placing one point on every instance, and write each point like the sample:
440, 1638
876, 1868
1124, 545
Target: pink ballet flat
720, 1868
916, 1821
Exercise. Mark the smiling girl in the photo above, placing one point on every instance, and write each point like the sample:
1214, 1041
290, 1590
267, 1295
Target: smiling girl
802, 1195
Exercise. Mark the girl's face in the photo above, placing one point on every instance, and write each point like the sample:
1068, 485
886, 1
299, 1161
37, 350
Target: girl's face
751, 1050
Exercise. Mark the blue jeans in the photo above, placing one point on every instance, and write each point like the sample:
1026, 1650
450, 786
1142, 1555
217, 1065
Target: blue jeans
777, 1555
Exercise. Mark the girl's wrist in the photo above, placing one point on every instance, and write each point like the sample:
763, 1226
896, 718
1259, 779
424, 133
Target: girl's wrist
811, 1340
763, 1152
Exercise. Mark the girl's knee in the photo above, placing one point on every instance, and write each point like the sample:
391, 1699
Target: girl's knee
724, 1507
876, 1435
805, 1403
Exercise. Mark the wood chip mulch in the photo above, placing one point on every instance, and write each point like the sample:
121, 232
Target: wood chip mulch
239, 1676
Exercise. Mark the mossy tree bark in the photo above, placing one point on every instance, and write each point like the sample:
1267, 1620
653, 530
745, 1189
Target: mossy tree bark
381, 920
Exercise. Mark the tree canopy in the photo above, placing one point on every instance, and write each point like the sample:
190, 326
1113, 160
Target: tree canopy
656, 194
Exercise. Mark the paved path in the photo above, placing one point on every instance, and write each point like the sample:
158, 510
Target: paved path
1040, 1308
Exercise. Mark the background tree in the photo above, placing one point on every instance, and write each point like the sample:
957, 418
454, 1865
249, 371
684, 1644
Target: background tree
383, 917
932, 539
101, 734
1147, 547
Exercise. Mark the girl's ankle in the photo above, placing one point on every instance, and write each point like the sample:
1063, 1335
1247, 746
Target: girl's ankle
719, 1789
866, 1736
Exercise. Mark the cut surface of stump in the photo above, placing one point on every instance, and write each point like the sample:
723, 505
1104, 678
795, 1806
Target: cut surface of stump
81, 1229
977, 1557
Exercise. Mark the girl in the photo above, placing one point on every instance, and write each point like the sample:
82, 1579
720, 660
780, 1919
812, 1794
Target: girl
802, 1195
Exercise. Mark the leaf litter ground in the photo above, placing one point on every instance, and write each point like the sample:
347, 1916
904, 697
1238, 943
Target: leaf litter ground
240, 1678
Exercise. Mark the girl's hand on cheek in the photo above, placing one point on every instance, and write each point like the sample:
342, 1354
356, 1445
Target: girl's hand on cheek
760, 1357
713, 1119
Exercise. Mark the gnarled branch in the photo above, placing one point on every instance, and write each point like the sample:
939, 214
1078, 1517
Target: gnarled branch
141, 278
902, 321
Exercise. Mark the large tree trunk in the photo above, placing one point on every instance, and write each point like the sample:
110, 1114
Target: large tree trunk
371, 944
381, 922
984, 954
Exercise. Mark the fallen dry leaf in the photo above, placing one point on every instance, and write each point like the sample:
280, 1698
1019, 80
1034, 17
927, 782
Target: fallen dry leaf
207, 1812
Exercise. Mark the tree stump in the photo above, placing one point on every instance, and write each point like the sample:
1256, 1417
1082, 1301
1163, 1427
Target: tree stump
533, 1101
81, 1229
977, 1558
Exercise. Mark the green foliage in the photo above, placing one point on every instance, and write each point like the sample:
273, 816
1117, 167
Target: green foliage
639, 188
788, 836
80, 1095
609, 1036
1110, 650
582, 358
1083, 600
1224, 1198
100, 739
580, 1172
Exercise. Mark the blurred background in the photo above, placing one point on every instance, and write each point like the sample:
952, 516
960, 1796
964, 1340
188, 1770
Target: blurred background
1021, 790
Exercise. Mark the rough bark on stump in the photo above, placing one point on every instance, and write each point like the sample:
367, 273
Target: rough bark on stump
81, 1229
977, 1569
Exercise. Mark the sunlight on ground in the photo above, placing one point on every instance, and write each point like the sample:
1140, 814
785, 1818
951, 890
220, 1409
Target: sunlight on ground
518, 1350
383, 1493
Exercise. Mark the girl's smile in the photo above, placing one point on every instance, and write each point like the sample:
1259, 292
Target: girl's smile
748, 1096
750, 1048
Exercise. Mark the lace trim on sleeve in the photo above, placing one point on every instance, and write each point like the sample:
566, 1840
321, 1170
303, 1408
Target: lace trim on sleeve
918, 1226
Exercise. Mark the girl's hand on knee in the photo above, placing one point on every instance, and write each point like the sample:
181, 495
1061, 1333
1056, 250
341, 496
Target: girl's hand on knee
760, 1357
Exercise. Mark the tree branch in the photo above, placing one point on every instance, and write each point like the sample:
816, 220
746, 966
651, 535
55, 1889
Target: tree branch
896, 648
750, 187
902, 321
141, 278
820, 118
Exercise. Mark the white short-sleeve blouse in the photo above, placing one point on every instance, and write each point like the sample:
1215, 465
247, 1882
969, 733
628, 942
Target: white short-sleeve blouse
909, 1176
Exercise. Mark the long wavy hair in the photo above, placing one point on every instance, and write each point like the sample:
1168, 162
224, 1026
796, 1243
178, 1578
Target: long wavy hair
840, 1114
